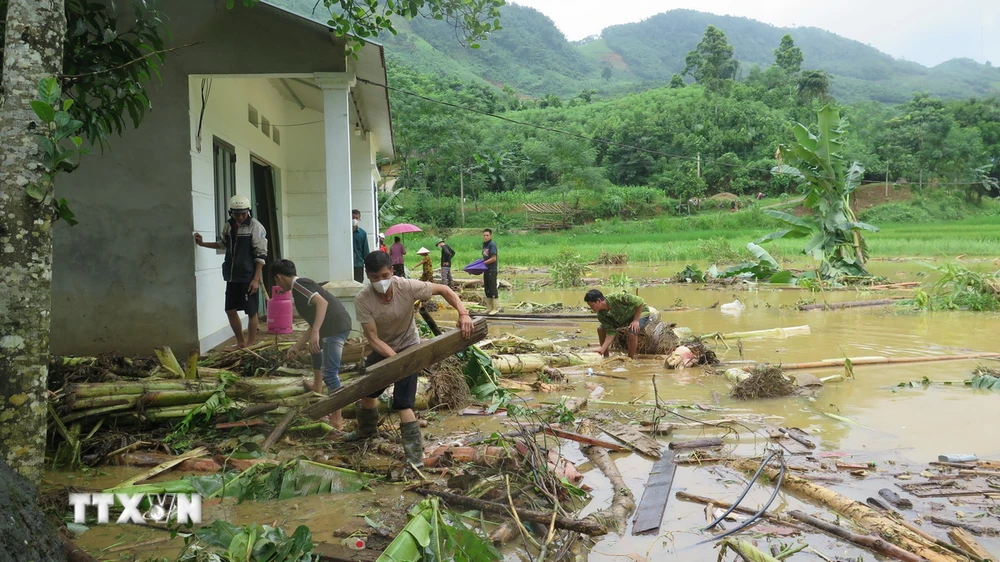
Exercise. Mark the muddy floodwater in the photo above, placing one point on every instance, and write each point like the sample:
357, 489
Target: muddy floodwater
880, 422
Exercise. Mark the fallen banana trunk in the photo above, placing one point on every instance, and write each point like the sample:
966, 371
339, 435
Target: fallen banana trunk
879, 360
615, 516
769, 333
862, 515
536, 362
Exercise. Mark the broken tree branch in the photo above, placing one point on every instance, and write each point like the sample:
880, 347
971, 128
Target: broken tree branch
867, 541
623, 502
584, 526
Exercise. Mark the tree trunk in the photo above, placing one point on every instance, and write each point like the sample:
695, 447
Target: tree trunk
33, 49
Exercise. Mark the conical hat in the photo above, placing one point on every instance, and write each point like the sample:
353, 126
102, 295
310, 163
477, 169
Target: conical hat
423, 250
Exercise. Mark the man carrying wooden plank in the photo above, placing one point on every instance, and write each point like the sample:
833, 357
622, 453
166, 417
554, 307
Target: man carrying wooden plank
385, 311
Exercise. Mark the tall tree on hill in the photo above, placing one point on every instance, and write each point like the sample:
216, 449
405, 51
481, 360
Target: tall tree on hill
677, 81
711, 63
787, 56
814, 84
33, 119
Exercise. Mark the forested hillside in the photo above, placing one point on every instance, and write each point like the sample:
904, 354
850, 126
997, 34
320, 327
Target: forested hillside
532, 57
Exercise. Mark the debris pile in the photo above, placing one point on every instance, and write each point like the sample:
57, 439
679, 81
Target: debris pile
763, 381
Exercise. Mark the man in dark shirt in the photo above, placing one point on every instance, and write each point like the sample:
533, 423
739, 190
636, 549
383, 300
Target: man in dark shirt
446, 256
490, 277
360, 241
329, 327
245, 242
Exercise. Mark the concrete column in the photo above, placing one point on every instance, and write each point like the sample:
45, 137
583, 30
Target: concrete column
338, 129
362, 185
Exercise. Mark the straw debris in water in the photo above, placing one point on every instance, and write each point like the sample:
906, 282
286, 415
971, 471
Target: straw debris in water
765, 381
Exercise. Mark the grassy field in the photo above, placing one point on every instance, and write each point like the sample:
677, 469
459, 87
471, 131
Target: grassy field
716, 237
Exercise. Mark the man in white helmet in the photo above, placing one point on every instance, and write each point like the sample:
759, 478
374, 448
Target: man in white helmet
245, 243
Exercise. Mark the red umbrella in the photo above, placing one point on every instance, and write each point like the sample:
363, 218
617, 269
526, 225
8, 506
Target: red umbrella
402, 228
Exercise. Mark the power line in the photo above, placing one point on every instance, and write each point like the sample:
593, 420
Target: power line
589, 138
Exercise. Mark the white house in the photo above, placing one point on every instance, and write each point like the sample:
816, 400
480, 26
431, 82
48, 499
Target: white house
265, 104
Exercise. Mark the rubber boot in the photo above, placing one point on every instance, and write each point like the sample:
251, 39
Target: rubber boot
367, 425
413, 443
492, 308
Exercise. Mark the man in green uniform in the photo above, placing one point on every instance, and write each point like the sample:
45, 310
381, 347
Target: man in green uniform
617, 311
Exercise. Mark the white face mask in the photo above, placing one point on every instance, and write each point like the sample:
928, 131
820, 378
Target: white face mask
382, 286
354, 222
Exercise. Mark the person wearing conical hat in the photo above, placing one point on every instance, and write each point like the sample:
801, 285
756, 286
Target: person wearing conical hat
426, 267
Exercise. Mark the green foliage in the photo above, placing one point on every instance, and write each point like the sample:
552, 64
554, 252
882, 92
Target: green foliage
248, 543
484, 379
690, 274
960, 288
434, 534
835, 232
765, 268
719, 251
712, 63
217, 403
621, 281
567, 269
59, 142
787, 56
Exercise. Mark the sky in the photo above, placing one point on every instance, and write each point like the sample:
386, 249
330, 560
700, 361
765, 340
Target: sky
925, 31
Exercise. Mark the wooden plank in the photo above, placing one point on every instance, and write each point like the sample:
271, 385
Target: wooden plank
411, 360
963, 539
654, 496
585, 439
633, 438
706, 443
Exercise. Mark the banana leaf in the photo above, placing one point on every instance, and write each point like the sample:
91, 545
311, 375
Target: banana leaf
436, 535
253, 543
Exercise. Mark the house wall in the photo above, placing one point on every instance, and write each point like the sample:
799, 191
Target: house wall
125, 278
305, 201
226, 119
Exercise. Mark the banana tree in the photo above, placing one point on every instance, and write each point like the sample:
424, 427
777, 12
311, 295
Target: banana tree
836, 234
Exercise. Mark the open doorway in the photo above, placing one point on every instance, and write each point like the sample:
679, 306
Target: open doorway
266, 211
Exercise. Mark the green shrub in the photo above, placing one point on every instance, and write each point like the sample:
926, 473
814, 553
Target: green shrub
568, 269
719, 251
894, 212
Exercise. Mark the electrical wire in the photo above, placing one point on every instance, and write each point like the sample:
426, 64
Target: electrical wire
596, 139
753, 518
746, 489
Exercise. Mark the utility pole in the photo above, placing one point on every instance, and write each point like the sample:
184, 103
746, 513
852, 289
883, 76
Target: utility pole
699, 164
921, 179
887, 180
461, 192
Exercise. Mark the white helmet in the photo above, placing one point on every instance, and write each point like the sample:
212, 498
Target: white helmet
239, 203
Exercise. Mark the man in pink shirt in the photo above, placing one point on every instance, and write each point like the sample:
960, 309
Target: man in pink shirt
396, 252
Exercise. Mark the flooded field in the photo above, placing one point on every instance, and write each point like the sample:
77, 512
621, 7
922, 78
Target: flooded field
899, 428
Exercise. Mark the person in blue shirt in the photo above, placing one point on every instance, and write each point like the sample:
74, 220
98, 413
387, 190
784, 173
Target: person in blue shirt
360, 239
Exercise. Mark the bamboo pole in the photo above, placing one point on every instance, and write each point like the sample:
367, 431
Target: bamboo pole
884, 361
862, 515
850, 304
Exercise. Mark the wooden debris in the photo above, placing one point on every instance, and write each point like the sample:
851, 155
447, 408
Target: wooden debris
849, 304
798, 435
411, 360
706, 443
163, 467
969, 544
622, 502
684, 496
585, 439
631, 436
862, 515
240, 423
585, 526
279, 430
977, 530
894, 499
867, 541
855, 361
654, 496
